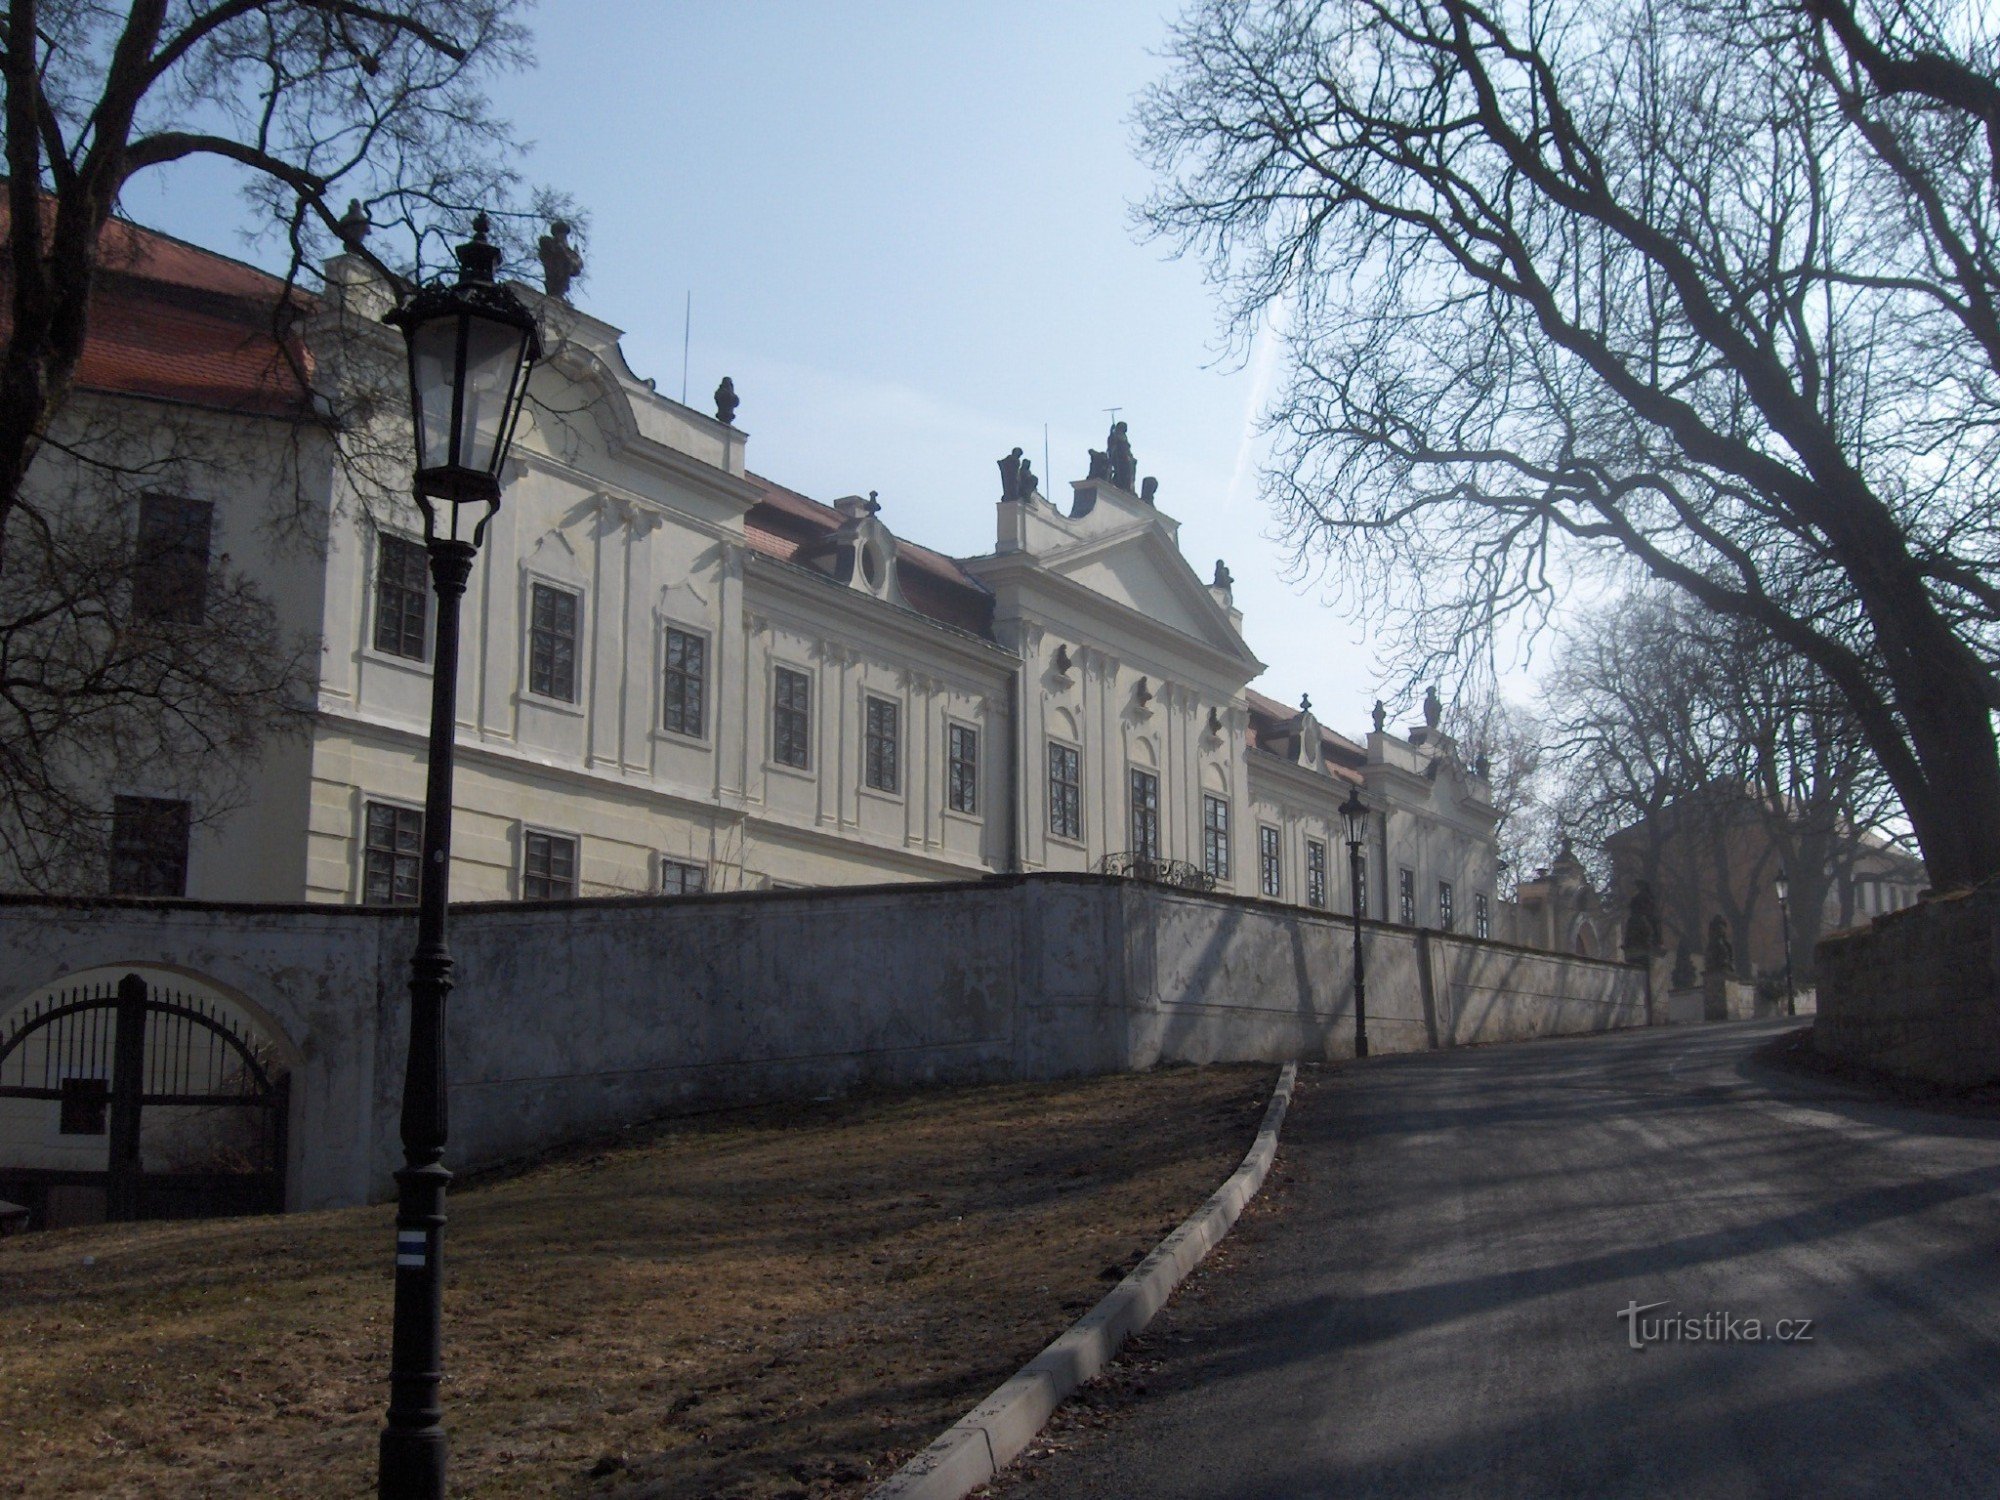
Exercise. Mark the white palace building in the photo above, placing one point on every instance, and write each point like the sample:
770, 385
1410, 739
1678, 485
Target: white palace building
679, 676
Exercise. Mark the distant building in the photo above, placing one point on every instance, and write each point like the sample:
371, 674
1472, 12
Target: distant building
681, 676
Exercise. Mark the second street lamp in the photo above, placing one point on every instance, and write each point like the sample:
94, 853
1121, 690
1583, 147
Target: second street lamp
1785, 921
1355, 811
471, 346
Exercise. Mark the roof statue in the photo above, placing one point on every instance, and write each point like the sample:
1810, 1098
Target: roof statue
1118, 452
726, 402
1029, 485
353, 227
1433, 707
1381, 715
1223, 577
562, 262
1149, 490
1010, 476
1100, 465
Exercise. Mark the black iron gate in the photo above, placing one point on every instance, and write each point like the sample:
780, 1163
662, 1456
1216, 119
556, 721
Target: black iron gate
104, 1055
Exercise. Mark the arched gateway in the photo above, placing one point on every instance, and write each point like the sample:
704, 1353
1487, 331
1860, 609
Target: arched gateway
140, 1098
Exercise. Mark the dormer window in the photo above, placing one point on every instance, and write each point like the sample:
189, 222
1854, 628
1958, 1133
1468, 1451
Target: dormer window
860, 552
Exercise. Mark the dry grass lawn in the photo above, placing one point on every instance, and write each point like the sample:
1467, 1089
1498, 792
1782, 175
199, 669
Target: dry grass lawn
779, 1302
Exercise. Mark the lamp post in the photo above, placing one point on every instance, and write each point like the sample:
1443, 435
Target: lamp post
470, 347
1785, 922
1355, 811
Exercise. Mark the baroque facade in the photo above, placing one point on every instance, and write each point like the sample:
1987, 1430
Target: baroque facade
680, 676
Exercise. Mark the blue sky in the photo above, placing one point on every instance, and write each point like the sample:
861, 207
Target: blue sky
907, 231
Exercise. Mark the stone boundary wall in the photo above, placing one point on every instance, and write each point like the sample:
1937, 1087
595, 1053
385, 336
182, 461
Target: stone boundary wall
572, 1018
1917, 992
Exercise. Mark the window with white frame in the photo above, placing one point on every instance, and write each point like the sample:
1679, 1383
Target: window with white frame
1270, 861
1215, 838
552, 637
684, 692
882, 742
680, 878
1065, 791
962, 769
548, 866
791, 718
1315, 873
402, 596
1144, 792
392, 854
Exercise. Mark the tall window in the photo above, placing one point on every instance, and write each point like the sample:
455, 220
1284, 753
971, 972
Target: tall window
548, 867
392, 855
687, 676
170, 568
1065, 792
149, 846
680, 878
962, 769
552, 642
882, 737
1315, 873
791, 718
1270, 862
1482, 916
402, 596
1215, 837
1145, 797
1408, 888
1444, 906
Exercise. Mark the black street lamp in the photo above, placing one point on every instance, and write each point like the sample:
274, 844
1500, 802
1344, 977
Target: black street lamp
471, 346
1355, 811
1785, 921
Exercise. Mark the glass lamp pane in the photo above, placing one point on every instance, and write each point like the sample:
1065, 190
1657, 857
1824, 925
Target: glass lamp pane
492, 355
433, 356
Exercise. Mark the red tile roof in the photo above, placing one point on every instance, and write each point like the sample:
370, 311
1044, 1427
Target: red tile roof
1337, 753
783, 522
173, 321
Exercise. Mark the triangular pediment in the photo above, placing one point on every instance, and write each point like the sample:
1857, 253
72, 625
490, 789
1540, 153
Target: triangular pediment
1140, 568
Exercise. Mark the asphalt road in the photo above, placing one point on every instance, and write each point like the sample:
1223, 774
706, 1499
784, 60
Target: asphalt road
1435, 1309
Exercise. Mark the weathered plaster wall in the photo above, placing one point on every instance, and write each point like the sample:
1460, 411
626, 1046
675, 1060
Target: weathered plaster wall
1917, 992
571, 1018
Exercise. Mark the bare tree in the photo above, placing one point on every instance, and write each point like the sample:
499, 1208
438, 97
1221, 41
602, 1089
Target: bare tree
1510, 743
1719, 758
1697, 287
318, 103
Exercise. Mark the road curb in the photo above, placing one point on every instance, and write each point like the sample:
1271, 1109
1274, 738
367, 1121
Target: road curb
990, 1436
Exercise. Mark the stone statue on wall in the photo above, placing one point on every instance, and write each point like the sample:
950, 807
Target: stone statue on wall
1118, 453
1721, 955
353, 227
1149, 490
1642, 922
1482, 766
1010, 477
562, 262
1433, 707
1028, 485
1100, 465
1224, 579
1381, 715
1684, 976
726, 402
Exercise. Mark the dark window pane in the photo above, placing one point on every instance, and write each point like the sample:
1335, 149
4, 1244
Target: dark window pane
170, 565
791, 718
1315, 873
402, 597
549, 867
392, 867
149, 847
962, 778
687, 673
1444, 906
552, 643
1407, 888
1065, 792
1144, 795
679, 878
881, 747
1270, 865
1215, 837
